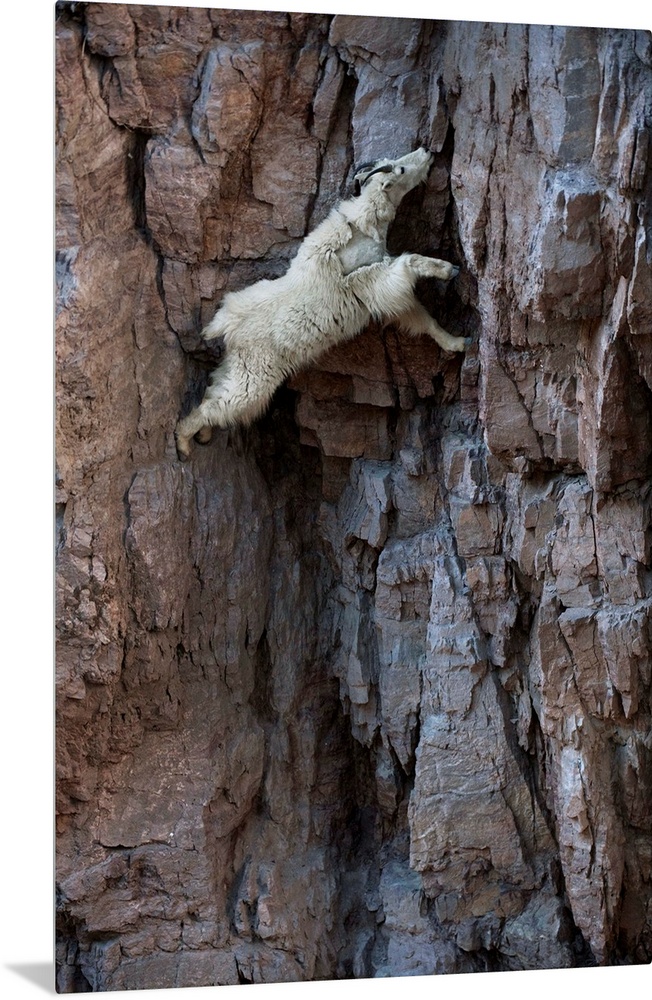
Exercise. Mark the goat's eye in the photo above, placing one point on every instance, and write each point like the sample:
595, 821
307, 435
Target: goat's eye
401, 170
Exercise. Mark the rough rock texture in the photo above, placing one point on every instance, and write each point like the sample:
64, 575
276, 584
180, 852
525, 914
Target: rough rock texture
365, 690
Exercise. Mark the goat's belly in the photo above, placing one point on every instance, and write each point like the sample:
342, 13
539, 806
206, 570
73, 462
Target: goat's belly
312, 326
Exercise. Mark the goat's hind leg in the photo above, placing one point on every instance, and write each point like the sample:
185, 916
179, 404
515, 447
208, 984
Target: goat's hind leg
194, 425
204, 435
236, 395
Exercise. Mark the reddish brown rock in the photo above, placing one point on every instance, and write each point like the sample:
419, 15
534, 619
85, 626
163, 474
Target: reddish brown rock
363, 690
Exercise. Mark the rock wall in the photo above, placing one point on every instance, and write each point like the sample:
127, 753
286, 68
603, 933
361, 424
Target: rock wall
364, 690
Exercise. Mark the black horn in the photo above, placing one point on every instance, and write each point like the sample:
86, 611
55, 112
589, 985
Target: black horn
359, 183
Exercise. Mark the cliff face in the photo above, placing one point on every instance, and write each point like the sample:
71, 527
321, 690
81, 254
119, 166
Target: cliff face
364, 690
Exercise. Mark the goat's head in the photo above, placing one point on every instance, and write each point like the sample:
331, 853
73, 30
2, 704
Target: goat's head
395, 177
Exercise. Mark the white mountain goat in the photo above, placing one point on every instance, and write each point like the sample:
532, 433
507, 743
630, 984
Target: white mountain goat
340, 278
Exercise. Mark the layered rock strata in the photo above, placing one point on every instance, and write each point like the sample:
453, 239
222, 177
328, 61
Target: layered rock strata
365, 689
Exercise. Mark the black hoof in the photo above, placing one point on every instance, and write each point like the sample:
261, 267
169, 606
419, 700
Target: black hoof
455, 272
468, 341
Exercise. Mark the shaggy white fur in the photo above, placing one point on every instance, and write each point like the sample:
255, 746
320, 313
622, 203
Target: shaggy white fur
340, 278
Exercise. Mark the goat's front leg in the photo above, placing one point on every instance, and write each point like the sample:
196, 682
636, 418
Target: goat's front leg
387, 290
428, 267
418, 320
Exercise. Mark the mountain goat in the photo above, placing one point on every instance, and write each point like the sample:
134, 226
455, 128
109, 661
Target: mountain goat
340, 278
